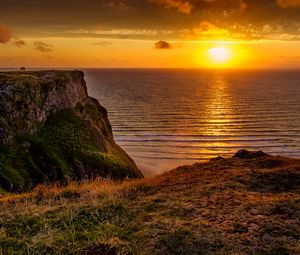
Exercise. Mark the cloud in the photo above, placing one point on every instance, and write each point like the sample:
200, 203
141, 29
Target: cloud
5, 34
102, 43
119, 6
162, 45
43, 47
240, 4
180, 5
18, 42
288, 3
149, 20
243, 5
49, 57
207, 30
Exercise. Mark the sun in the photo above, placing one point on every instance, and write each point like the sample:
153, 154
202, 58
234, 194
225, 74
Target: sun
219, 55
222, 55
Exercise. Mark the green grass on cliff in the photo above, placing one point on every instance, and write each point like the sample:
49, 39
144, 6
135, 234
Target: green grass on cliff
66, 133
25, 84
216, 208
62, 150
17, 168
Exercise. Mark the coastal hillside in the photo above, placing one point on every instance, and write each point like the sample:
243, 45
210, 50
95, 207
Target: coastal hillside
247, 204
51, 130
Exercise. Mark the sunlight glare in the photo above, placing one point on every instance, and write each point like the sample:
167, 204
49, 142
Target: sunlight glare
219, 55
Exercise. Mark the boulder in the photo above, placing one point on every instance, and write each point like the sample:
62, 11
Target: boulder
244, 154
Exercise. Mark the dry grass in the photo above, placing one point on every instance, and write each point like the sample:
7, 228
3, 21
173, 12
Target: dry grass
225, 206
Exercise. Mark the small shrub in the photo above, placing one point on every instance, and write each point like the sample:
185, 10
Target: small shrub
274, 250
183, 242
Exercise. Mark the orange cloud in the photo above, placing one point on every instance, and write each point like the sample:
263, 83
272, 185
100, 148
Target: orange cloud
43, 47
103, 43
240, 3
181, 5
288, 3
5, 34
207, 30
18, 42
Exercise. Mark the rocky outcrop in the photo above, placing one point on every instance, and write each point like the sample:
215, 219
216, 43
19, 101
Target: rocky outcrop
244, 154
51, 130
27, 99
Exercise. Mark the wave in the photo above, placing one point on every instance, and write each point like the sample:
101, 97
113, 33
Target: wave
164, 118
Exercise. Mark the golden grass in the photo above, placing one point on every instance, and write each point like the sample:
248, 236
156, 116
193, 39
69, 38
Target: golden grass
229, 206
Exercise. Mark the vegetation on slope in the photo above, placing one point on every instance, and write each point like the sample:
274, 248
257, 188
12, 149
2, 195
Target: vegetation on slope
226, 206
63, 149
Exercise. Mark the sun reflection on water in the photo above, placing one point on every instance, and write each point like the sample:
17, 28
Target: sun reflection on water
219, 107
218, 112
165, 118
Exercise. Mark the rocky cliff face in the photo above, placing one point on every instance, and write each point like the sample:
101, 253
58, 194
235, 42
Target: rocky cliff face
51, 130
28, 98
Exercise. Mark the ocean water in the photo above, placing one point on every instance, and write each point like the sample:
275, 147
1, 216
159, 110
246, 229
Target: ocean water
167, 118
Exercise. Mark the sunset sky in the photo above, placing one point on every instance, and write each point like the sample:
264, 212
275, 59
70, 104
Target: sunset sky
150, 33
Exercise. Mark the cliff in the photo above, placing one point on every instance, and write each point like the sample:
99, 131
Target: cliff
51, 130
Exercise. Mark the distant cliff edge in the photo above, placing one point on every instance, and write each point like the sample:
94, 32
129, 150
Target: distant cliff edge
51, 130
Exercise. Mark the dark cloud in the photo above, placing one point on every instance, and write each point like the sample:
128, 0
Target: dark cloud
289, 3
5, 34
152, 19
43, 47
18, 42
162, 45
189, 6
119, 6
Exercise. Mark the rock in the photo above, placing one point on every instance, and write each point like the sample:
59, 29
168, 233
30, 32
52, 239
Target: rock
30, 97
26, 145
267, 237
51, 130
244, 154
217, 159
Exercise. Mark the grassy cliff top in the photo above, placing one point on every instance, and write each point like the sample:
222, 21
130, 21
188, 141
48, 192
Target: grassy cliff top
241, 205
38, 84
16, 78
38, 73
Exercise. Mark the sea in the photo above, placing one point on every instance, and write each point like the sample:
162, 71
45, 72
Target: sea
165, 118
